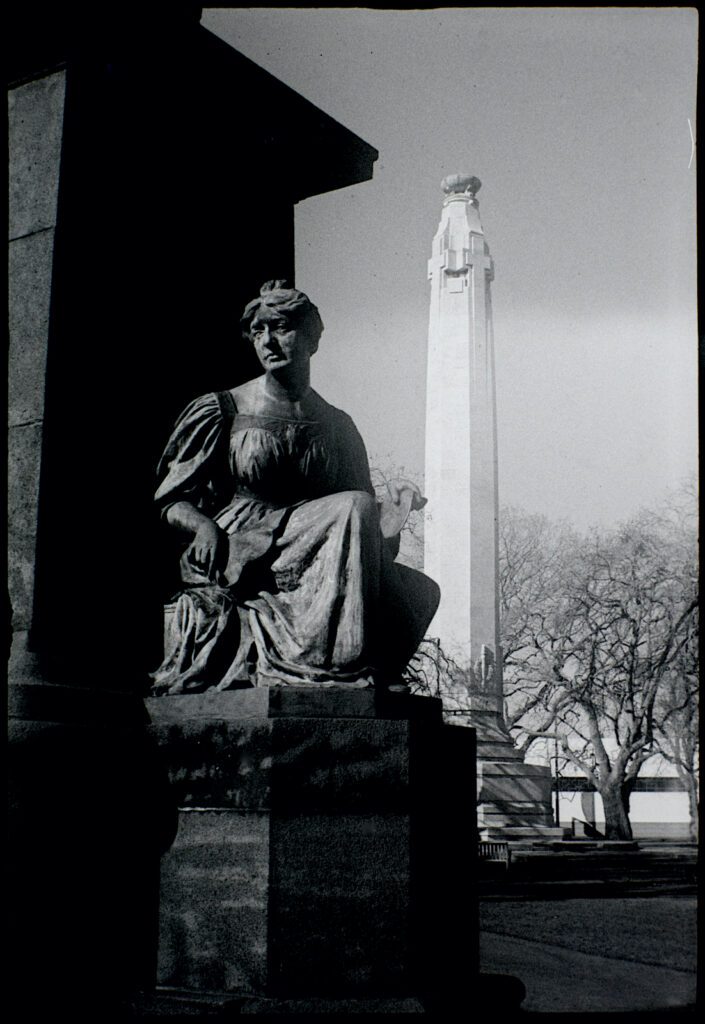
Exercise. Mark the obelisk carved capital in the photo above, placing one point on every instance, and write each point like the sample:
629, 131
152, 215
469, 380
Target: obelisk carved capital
463, 184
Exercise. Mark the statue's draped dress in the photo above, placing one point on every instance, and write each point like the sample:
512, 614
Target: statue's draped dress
307, 590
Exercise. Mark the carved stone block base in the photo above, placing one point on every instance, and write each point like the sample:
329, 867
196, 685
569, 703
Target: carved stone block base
314, 831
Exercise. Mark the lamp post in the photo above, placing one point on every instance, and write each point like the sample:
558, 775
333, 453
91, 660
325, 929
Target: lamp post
555, 783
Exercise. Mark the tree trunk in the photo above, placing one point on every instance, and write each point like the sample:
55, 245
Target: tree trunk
690, 782
615, 801
693, 806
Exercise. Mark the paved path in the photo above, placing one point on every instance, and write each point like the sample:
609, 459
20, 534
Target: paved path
594, 955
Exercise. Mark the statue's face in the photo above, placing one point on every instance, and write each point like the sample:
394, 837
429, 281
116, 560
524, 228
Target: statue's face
279, 343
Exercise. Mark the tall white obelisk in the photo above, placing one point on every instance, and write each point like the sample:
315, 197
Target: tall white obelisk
461, 528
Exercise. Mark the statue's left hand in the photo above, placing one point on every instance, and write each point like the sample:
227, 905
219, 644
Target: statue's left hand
403, 497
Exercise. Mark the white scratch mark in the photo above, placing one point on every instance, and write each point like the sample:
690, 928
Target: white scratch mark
692, 144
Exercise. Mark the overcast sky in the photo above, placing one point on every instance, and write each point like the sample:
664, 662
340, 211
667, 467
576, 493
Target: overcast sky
578, 123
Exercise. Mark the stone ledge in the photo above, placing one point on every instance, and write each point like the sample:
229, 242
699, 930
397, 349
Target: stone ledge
74, 705
511, 822
332, 1006
511, 769
292, 702
498, 752
518, 833
503, 788
496, 806
166, 1001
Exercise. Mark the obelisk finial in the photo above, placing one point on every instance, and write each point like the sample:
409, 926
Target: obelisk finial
461, 184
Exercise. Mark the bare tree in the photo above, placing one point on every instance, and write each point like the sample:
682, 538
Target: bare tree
534, 570
598, 651
678, 728
430, 671
596, 630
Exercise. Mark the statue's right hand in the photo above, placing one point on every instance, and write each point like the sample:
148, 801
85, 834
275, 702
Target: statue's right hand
204, 547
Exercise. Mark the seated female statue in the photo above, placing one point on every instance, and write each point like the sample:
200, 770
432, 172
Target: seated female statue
288, 562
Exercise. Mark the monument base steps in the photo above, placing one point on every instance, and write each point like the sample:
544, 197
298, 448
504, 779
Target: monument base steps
523, 833
513, 821
511, 794
529, 808
498, 752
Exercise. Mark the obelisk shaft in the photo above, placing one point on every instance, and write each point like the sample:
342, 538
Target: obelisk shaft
461, 528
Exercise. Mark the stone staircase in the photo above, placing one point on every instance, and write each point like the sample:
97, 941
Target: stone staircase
513, 798
516, 835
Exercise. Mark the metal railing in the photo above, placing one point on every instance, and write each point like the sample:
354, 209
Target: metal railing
494, 852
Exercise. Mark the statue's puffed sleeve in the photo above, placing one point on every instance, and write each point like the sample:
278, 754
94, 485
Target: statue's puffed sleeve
193, 462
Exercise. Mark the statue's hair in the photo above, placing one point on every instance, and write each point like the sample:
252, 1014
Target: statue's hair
280, 297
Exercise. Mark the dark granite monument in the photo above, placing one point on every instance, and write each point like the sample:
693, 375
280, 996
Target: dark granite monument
305, 830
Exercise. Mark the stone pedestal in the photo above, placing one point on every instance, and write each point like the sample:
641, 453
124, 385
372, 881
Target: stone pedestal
325, 846
513, 798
